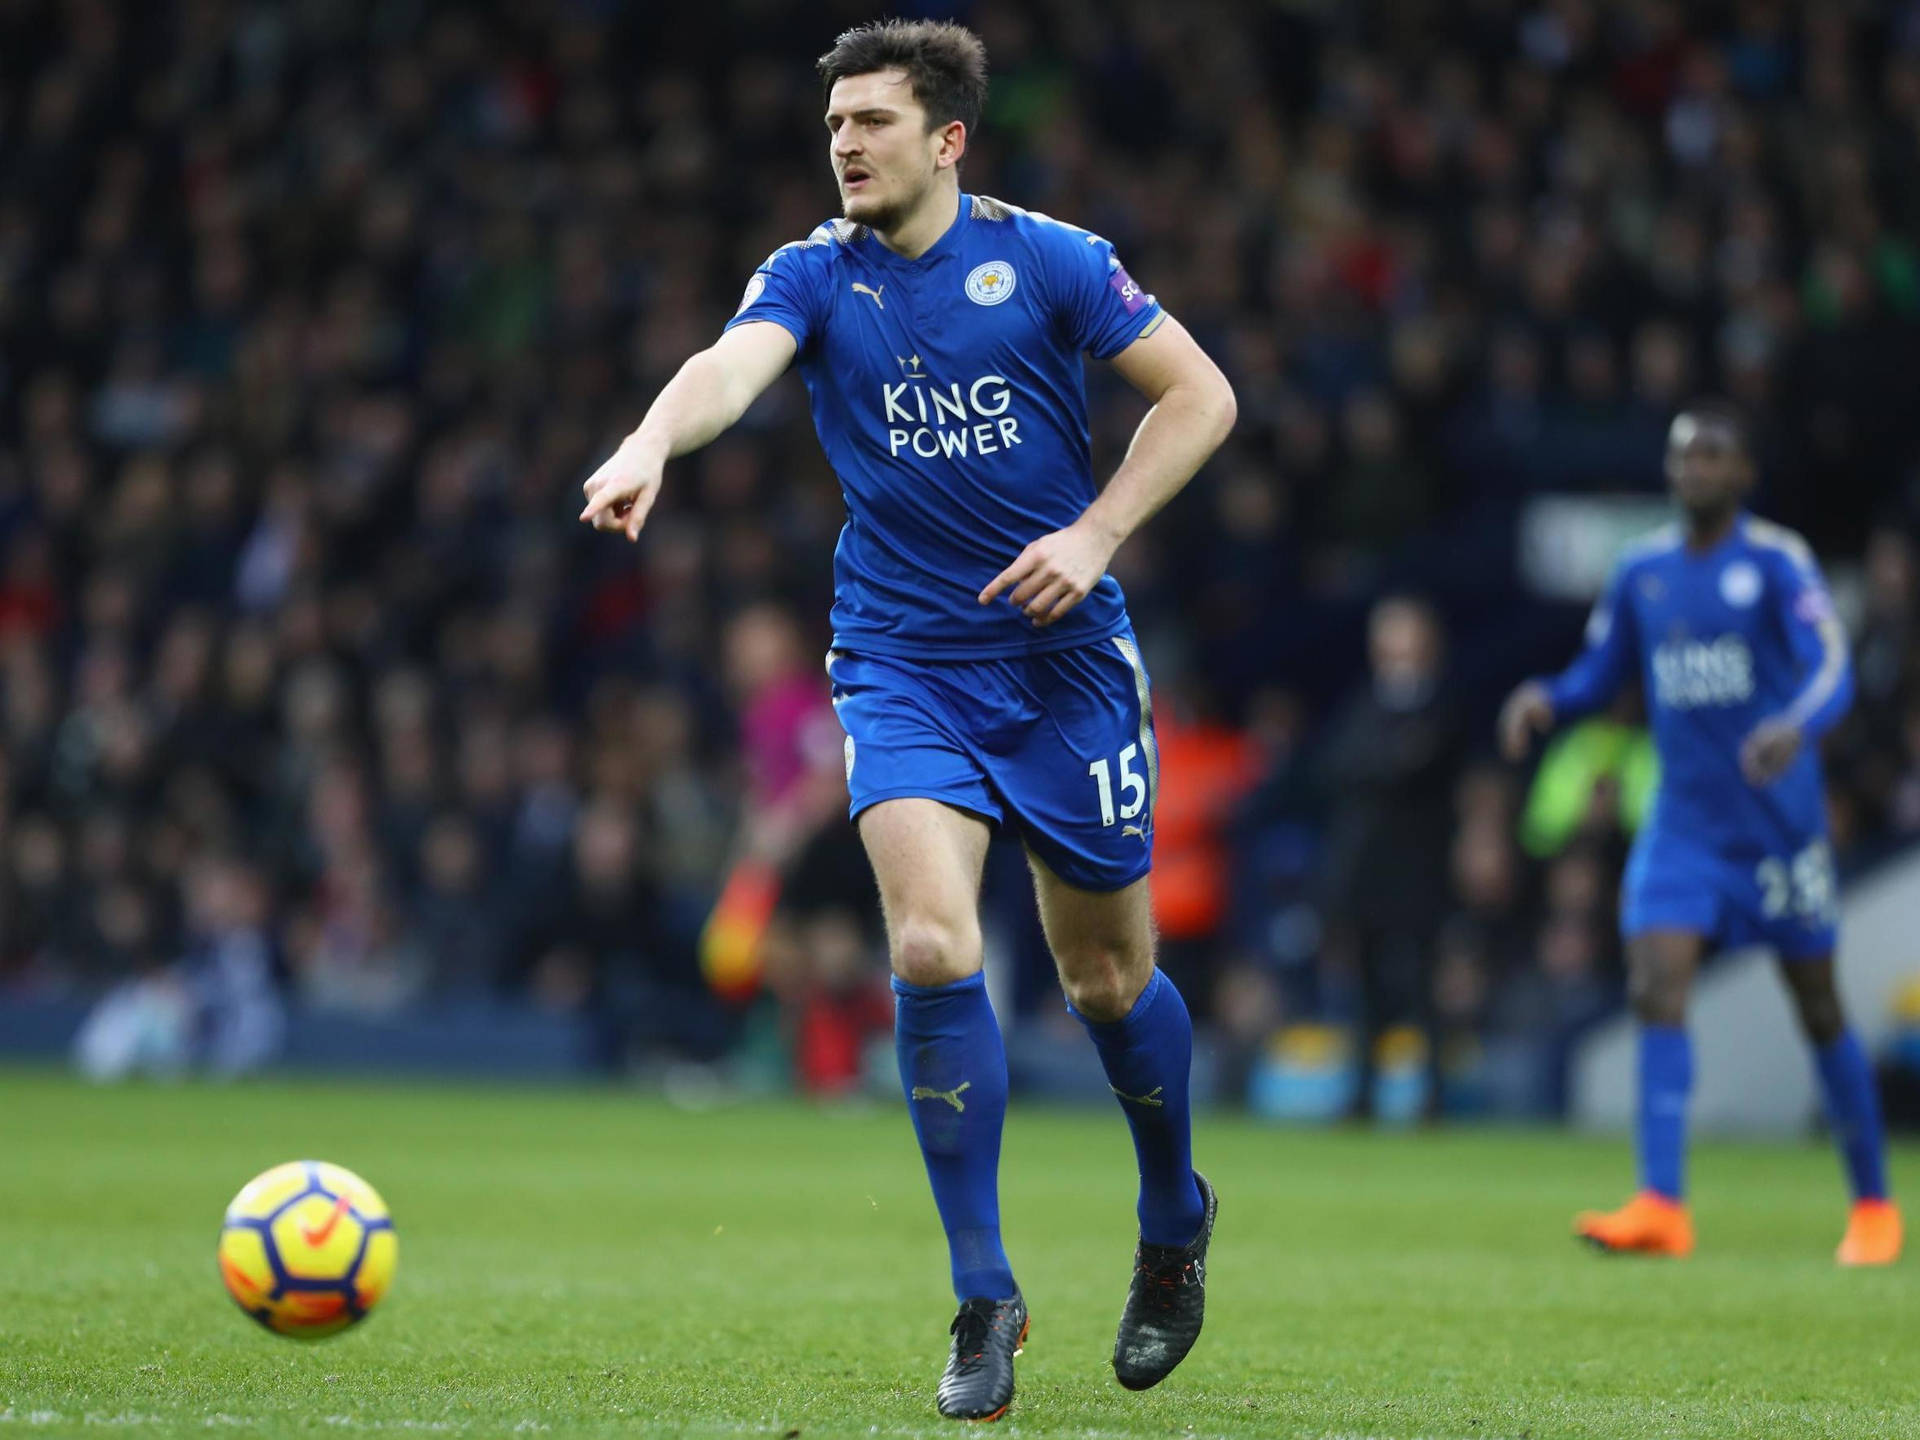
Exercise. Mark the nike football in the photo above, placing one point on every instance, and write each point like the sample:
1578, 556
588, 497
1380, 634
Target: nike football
307, 1249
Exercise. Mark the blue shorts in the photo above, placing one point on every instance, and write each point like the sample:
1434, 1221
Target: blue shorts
1058, 745
1787, 901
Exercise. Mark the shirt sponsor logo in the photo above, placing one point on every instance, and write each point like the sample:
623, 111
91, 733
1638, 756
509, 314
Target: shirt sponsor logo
991, 283
928, 419
1692, 674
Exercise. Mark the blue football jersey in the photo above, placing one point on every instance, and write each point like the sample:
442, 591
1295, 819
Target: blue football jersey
949, 395
1721, 640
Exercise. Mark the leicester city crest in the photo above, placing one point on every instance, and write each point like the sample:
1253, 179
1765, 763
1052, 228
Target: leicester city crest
1740, 584
990, 283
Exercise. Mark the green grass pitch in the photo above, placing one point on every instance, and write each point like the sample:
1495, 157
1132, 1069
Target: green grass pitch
598, 1264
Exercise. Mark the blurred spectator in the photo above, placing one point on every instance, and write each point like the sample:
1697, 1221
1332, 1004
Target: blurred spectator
1206, 769
215, 1008
1388, 764
828, 974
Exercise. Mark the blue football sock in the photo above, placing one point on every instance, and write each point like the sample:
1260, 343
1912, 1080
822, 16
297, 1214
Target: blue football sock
1666, 1079
1147, 1056
1853, 1107
953, 1066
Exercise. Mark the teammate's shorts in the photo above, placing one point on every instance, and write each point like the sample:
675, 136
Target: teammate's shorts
1786, 901
1058, 746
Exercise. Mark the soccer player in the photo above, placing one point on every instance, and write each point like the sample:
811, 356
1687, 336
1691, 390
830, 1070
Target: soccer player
983, 665
1727, 622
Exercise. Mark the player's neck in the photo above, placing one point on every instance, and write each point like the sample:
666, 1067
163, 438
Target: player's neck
1706, 531
921, 231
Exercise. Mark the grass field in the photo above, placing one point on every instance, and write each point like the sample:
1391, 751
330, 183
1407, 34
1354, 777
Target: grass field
598, 1264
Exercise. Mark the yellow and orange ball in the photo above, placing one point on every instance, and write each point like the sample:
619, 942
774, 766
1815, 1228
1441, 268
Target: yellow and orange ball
308, 1249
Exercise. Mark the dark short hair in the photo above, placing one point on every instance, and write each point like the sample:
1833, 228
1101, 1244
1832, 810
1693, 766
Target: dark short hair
945, 64
1722, 415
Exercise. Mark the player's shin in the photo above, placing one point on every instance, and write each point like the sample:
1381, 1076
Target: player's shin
1853, 1108
1147, 1055
1666, 1082
953, 1066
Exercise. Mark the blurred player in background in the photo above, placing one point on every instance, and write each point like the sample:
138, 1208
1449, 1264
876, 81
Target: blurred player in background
1727, 621
983, 664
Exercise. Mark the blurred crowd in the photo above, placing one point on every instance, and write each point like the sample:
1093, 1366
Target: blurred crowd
314, 315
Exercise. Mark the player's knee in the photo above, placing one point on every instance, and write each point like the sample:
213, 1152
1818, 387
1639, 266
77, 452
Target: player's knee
1823, 1025
927, 952
1820, 1015
1658, 996
1101, 983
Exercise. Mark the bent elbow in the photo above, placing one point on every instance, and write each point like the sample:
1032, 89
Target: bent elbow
1223, 407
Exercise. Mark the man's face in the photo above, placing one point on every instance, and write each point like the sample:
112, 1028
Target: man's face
883, 157
1403, 645
1706, 467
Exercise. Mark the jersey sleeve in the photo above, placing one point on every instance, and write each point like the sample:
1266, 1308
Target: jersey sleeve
1602, 667
1819, 643
1098, 305
786, 289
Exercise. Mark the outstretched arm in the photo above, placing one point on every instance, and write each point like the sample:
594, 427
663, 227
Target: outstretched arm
1586, 686
1193, 409
706, 396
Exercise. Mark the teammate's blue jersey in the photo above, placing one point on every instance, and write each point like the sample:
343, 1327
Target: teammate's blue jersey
949, 396
1722, 640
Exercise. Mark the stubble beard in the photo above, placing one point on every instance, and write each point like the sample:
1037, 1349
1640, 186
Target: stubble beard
884, 216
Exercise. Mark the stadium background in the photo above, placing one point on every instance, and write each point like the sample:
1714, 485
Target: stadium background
330, 737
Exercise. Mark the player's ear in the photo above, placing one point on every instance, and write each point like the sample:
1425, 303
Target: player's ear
952, 138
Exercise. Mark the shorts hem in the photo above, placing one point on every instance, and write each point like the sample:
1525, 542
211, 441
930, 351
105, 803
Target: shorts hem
1708, 930
856, 807
1818, 948
1102, 886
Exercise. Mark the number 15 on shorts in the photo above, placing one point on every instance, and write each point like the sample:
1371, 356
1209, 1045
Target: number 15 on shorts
1133, 786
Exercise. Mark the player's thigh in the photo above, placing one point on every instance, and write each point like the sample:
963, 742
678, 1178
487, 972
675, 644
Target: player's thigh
1661, 965
922, 804
927, 859
1816, 999
1673, 885
1102, 940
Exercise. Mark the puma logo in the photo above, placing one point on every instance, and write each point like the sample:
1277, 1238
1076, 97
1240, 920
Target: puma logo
1134, 830
860, 289
1152, 1097
952, 1097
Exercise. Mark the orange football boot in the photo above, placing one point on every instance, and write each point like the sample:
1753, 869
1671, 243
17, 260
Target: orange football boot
1648, 1224
1873, 1234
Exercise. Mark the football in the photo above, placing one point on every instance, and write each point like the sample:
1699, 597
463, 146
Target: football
307, 1249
